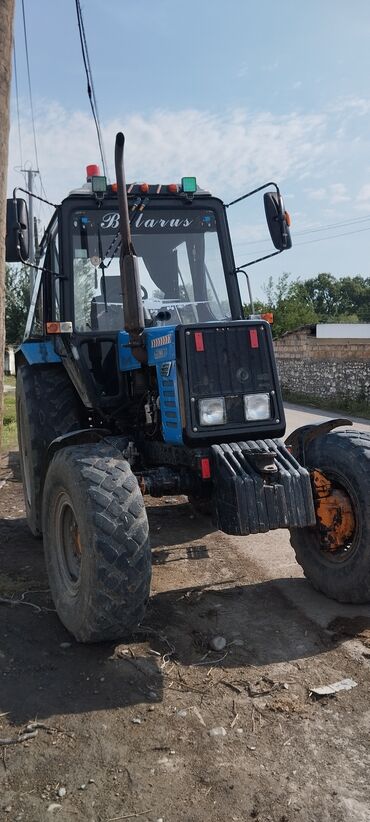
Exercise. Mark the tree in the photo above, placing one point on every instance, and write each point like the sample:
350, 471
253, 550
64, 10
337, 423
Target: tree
17, 292
289, 307
323, 298
6, 34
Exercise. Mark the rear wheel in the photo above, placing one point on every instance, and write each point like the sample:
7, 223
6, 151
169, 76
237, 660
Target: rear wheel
340, 570
96, 542
47, 407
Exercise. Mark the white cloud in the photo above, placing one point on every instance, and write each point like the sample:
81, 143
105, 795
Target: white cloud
316, 193
363, 197
356, 105
338, 193
333, 193
228, 153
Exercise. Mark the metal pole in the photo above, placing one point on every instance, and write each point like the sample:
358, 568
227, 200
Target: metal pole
30, 175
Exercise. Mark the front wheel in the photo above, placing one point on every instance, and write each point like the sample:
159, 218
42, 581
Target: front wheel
341, 570
96, 542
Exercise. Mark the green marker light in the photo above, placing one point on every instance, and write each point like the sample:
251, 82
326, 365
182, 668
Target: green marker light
99, 184
189, 185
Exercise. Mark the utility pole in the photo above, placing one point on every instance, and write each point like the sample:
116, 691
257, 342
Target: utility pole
31, 173
6, 38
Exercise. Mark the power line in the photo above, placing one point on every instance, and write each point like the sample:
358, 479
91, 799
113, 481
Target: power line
332, 237
321, 239
329, 226
29, 86
90, 84
17, 102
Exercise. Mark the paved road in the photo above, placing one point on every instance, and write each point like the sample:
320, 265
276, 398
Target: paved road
297, 415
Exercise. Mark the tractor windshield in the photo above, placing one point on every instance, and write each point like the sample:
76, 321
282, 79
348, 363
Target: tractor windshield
181, 270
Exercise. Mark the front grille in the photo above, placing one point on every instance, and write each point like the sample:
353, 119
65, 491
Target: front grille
228, 360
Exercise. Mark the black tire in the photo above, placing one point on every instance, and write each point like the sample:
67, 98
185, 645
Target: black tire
343, 574
96, 542
47, 407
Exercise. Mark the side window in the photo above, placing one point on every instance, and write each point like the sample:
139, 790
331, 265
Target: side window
37, 303
53, 258
37, 328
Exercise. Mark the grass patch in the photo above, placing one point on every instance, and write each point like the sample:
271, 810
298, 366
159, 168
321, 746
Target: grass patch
8, 380
343, 405
9, 439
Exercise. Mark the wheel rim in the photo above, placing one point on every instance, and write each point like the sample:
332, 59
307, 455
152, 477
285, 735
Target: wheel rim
68, 543
25, 457
349, 548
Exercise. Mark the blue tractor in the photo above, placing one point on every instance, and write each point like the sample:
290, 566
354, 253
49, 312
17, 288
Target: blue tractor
139, 374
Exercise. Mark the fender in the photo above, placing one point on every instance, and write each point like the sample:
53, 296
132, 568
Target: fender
299, 439
80, 437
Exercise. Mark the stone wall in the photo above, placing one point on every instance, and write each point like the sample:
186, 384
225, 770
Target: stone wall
323, 368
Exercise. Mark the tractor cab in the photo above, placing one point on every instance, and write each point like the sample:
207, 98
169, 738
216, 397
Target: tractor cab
183, 260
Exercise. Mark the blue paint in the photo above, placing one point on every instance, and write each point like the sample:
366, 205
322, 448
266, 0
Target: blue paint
126, 359
39, 353
160, 343
169, 402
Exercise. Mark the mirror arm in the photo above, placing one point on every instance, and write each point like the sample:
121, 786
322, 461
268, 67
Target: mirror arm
27, 264
31, 194
258, 260
255, 190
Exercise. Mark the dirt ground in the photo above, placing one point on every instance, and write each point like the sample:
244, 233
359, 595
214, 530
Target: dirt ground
123, 731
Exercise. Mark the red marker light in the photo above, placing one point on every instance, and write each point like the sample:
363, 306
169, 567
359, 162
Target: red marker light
199, 342
144, 188
173, 188
114, 187
92, 171
253, 336
205, 468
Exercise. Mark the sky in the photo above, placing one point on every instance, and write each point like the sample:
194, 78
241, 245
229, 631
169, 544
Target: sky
234, 92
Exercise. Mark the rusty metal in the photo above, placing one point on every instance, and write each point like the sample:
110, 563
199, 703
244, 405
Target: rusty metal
129, 267
334, 512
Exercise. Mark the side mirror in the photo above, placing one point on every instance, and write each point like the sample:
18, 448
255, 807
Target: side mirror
278, 220
17, 235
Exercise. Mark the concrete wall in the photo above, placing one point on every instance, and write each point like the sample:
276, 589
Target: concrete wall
324, 368
9, 360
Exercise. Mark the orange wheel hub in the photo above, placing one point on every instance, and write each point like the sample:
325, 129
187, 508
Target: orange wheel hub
334, 512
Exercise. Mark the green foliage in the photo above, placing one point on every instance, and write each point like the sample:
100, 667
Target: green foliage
9, 436
323, 298
17, 300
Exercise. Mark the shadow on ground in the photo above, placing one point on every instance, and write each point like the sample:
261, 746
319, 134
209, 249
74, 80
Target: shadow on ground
41, 678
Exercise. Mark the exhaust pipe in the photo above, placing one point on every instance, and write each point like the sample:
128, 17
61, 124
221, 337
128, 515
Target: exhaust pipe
129, 268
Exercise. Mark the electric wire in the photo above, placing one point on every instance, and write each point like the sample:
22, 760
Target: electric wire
90, 84
17, 103
333, 236
37, 169
29, 86
316, 240
304, 232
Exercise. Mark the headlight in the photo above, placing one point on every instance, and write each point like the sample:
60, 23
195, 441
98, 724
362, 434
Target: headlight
212, 411
257, 406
